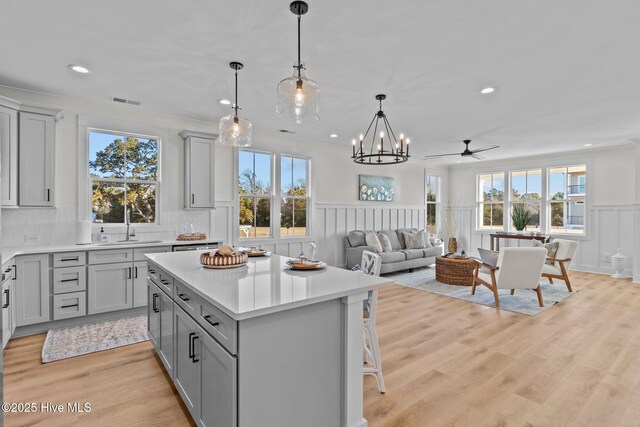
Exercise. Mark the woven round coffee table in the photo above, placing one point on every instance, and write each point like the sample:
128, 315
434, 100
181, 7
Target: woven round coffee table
455, 270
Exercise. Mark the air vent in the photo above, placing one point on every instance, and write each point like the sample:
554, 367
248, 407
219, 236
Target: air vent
125, 101
286, 131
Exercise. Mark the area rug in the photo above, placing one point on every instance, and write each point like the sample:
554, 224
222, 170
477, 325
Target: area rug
92, 337
523, 302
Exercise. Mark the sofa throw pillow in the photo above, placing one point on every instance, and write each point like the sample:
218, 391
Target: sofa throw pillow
373, 241
385, 242
413, 240
552, 249
424, 236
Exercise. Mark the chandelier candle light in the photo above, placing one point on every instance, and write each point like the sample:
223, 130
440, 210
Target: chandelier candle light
298, 97
397, 152
235, 131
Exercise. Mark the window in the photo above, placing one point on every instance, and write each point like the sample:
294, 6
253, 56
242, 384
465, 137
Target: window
255, 194
491, 201
432, 200
123, 169
566, 195
293, 196
526, 192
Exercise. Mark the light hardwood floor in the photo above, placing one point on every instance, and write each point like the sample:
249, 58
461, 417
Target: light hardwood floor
445, 362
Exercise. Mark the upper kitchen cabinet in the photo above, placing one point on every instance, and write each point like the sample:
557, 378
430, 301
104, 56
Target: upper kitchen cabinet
37, 141
9, 156
27, 143
199, 169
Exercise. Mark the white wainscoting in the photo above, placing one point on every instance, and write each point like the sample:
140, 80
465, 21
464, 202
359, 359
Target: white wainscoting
332, 222
609, 227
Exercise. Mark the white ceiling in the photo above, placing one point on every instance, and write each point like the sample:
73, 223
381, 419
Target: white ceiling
567, 72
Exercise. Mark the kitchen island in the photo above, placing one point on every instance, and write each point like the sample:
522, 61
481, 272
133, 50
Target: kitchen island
260, 345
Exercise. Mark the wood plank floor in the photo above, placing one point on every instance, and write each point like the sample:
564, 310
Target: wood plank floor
445, 362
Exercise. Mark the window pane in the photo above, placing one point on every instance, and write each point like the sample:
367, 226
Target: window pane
497, 215
518, 184
262, 174
300, 217
246, 218
141, 203
300, 177
107, 203
245, 168
557, 183
262, 221
106, 155
485, 188
486, 214
286, 175
142, 158
497, 190
557, 219
432, 188
575, 217
293, 176
431, 218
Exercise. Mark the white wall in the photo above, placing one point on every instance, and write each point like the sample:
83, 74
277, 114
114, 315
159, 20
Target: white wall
334, 176
611, 181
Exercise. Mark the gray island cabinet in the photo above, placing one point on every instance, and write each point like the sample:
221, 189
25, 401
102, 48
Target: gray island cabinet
260, 345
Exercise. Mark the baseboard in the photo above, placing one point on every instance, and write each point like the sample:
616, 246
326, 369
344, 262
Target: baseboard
23, 331
598, 270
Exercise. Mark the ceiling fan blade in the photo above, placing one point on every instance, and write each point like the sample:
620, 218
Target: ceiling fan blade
439, 156
477, 156
490, 147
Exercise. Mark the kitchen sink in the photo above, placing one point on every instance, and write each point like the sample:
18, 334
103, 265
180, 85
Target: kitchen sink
130, 242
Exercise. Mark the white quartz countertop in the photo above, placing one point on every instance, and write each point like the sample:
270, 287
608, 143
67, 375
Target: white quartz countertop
12, 251
264, 285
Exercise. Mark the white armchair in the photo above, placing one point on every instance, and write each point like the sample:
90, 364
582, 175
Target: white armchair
566, 250
517, 268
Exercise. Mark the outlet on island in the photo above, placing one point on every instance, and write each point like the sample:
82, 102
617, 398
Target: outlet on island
32, 240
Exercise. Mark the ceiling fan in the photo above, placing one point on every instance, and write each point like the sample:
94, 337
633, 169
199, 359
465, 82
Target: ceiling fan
466, 152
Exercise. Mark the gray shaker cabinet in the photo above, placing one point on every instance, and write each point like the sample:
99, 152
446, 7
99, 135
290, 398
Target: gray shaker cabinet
32, 289
139, 283
199, 169
186, 368
110, 287
37, 136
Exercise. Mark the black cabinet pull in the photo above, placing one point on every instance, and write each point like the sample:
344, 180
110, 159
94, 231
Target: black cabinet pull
135, 269
155, 306
8, 270
183, 297
152, 271
208, 319
193, 199
164, 282
15, 271
129, 268
6, 304
69, 259
48, 195
68, 280
70, 305
191, 355
193, 340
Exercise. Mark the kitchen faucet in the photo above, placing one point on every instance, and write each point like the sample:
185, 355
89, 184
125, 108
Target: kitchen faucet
130, 233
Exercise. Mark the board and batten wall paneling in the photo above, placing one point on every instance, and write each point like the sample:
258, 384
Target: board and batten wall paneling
609, 227
334, 221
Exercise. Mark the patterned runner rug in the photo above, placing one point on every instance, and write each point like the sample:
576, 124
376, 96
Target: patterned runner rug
523, 302
92, 337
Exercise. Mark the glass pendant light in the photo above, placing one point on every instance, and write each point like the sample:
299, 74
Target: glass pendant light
235, 131
298, 97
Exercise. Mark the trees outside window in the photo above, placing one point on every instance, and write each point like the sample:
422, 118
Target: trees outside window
526, 192
293, 196
255, 194
491, 201
432, 201
123, 169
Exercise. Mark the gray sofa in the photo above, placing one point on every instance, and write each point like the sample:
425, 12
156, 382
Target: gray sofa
398, 259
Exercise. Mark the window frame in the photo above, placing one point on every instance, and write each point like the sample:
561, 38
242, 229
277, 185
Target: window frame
480, 203
511, 202
124, 181
307, 197
567, 200
437, 203
544, 166
275, 197
270, 196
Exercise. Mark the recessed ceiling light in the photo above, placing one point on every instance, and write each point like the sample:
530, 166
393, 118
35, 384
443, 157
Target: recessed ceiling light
488, 90
224, 101
333, 135
79, 69
588, 145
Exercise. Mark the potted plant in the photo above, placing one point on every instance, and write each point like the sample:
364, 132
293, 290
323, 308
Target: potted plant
521, 217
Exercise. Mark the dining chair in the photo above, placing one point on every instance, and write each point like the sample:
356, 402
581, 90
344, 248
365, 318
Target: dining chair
517, 268
371, 263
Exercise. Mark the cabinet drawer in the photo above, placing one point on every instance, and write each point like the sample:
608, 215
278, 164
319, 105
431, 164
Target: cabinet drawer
70, 279
186, 299
152, 272
110, 256
69, 259
138, 253
165, 282
220, 326
69, 305
7, 272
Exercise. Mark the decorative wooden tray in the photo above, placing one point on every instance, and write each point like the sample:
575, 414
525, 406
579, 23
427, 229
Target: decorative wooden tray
211, 260
192, 236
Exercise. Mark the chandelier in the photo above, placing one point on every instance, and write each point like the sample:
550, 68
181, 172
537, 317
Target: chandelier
381, 153
298, 97
235, 131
